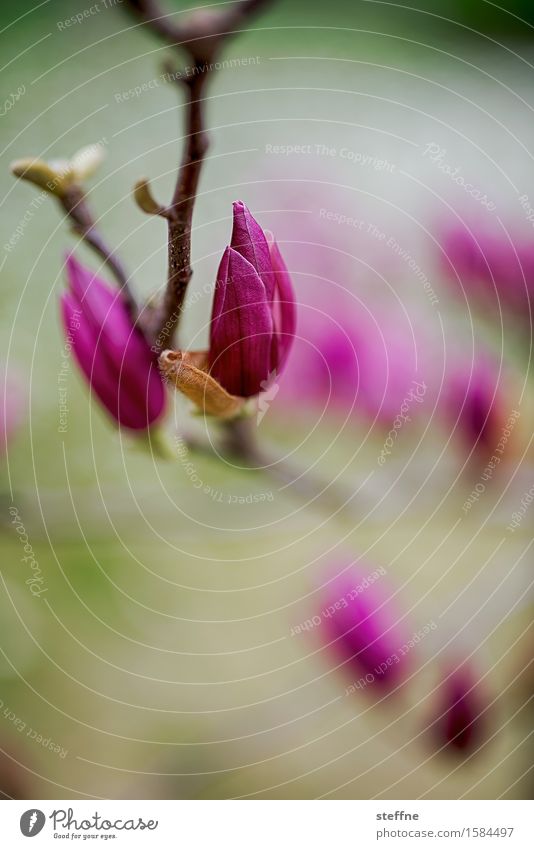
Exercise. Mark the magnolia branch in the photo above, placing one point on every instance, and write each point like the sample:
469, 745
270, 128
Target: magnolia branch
77, 209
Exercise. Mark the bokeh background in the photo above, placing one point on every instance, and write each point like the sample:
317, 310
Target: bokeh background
160, 662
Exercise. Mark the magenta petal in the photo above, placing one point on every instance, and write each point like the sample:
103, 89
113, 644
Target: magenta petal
113, 354
284, 305
101, 305
364, 628
241, 329
490, 267
132, 410
91, 358
219, 295
248, 239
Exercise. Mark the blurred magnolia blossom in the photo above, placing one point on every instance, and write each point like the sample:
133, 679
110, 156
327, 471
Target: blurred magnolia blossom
12, 407
459, 723
361, 339
364, 631
357, 359
497, 270
360, 348
360, 354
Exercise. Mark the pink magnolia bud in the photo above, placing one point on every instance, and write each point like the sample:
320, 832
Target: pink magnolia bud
364, 629
460, 712
254, 315
113, 354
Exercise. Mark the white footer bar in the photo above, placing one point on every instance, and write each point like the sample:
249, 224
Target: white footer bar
269, 824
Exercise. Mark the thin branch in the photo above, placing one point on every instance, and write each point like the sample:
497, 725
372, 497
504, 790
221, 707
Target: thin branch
180, 211
202, 32
63, 180
75, 204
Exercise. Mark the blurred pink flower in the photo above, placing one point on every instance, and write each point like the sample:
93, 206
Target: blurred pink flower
460, 712
357, 349
363, 627
497, 271
348, 358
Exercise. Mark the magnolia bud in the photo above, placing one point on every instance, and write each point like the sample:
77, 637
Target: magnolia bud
57, 175
51, 176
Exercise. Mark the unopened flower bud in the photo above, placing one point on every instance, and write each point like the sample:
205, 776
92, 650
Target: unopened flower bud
112, 353
254, 315
51, 176
252, 325
57, 175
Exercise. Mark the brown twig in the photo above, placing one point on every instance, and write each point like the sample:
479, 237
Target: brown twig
75, 204
180, 211
202, 32
201, 36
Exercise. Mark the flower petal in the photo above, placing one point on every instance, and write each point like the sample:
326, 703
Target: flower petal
112, 353
101, 305
249, 240
241, 329
284, 306
97, 367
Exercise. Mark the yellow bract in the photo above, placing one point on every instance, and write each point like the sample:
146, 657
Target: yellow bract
186, 370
